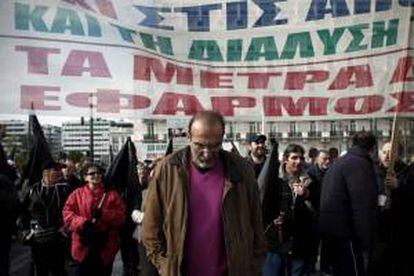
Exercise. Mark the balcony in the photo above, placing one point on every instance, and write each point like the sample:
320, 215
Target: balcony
232, 136
275, 135
314, 134
150, 137
295, 134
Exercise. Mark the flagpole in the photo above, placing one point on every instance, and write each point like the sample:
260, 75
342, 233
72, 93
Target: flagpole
263, 123
29, 129
91, 153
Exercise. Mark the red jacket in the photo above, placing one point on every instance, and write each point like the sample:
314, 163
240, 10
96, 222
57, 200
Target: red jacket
78, 209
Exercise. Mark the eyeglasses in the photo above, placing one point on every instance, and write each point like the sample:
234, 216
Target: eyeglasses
213, 148
93, 173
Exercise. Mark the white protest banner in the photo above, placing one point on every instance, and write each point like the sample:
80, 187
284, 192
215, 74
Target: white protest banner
281, 60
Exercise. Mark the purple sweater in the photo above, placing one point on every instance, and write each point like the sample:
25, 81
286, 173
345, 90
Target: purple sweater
205, 253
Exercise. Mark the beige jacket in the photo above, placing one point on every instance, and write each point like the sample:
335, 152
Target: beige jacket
165, 220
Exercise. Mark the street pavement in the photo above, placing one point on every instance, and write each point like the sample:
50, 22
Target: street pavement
20, 261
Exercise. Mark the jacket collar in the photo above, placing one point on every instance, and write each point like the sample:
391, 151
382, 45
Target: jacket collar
357, 150
182, 157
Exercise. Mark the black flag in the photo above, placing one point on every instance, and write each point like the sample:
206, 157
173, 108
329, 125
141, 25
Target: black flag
39, 153
234, 148
5, 168
270, 170
170, 147
111, 154
121, 174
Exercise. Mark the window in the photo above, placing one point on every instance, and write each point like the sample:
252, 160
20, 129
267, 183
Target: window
273, 127
150, 128
231, 127
373, 125
292, 127
313, 127
253, 127
353, 126
333, 127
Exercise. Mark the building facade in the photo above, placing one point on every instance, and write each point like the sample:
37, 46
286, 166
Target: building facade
107, 136
15, 137
152, 135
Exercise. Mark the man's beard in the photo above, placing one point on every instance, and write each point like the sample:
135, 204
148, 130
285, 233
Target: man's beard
259, 153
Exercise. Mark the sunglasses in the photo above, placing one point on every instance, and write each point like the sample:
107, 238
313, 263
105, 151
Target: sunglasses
93, 173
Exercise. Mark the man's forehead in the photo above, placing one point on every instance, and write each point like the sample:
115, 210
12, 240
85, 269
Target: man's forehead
386, 146
295, 155
203, 129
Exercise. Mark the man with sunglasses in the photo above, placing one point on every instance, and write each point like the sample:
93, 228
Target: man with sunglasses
202, 211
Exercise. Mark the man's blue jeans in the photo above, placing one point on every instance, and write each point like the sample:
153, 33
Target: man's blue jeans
275, 265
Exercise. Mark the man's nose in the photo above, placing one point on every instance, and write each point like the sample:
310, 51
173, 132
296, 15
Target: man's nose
207, 153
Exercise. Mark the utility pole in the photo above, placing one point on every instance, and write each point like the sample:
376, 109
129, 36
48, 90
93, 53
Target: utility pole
91, 154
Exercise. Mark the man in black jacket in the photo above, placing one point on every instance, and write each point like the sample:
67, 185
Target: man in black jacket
288, 216
70, 176
395, 197
317, 172
348, 207
257, 152
42, 220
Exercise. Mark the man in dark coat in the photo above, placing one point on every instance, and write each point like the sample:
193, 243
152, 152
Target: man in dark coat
43, 222
402, 212
317, 172
70, 175
288, 216
394, 236
348, 207
257, 152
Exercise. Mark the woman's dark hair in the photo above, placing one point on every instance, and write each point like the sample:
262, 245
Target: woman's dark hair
87, 166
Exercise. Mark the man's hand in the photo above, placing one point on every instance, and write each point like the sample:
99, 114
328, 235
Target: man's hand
299, 189
280, 219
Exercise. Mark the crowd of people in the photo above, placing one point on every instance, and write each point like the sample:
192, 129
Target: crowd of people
200, 211
72, 224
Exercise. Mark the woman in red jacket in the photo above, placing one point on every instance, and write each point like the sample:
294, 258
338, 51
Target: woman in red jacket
94, 216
